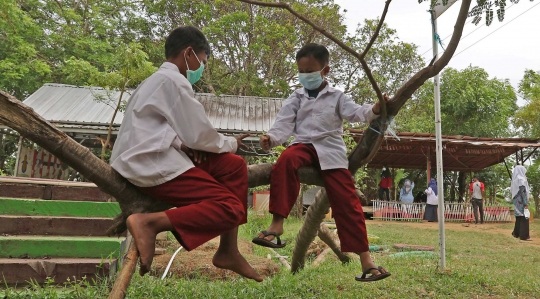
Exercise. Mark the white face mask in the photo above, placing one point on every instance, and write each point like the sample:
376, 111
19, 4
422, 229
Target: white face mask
311, 81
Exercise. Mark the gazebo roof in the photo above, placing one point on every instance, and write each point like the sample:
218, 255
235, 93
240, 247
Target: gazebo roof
460, 153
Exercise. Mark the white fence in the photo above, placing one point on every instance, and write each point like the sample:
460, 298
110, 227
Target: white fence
453, 212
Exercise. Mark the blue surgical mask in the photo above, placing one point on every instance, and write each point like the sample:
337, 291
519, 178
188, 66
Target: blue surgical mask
194, 76
311, 81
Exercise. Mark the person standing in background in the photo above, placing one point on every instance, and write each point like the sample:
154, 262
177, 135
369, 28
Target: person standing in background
477, 197
430, 215
385, 184
520, 193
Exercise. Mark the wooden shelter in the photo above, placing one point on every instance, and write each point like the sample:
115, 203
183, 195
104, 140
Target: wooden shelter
460, 153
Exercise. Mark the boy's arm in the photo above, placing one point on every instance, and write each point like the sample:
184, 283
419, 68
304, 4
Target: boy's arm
353, 112
189, 121
283, 127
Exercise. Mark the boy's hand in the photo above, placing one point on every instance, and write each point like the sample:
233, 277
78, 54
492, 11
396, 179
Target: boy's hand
264, 141
195, 155
377, 107
240, 143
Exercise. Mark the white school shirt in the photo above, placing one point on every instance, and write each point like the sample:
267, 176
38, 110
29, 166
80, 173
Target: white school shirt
162, 114
319, 121
432, 199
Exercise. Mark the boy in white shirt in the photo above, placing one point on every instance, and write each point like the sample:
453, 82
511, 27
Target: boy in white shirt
314, 116
164, 125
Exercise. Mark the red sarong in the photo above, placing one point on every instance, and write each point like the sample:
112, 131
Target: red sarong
211, 199
346, 206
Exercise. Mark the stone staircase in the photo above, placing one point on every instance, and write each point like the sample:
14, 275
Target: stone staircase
55, 229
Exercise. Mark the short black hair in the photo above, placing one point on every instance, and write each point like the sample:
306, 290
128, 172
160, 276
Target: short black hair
183, 37
319, 52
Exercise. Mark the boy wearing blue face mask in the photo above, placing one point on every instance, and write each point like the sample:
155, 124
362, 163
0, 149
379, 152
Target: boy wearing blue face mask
168, 148
314, 116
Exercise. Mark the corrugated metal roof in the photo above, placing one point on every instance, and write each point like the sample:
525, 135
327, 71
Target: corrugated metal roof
68, 103
460, 153
77, 106
240, 113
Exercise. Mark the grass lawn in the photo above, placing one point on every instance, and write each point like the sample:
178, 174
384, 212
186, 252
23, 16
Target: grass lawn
483, 261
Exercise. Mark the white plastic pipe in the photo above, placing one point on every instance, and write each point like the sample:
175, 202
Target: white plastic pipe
170, 263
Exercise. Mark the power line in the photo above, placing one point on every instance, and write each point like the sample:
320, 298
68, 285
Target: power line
497, 29
470, 20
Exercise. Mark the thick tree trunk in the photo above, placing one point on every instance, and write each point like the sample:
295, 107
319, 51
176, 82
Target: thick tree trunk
24, 120
298, 207
314, 216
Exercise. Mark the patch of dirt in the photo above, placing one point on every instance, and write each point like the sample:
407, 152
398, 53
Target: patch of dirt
492, 228
315, 248
198, 262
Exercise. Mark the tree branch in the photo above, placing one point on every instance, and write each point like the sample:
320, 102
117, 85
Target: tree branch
336, 40
406, 91
24, 120
377, 30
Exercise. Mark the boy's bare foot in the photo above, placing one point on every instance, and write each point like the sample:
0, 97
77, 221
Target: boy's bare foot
145, 239
235, 262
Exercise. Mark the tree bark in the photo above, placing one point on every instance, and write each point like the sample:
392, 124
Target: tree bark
333, 242
298, 207
314, 216
24, 120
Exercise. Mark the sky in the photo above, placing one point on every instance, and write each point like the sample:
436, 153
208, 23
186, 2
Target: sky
505, 54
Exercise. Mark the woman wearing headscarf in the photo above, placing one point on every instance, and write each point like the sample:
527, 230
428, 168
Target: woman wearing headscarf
385, 184
406, 193
430, 214
520, 192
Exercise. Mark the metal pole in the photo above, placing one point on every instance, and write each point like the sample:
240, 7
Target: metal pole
438, 141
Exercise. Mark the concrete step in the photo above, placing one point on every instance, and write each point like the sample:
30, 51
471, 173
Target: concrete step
59, 246
50, 189
20, 271
60, 226
55, 208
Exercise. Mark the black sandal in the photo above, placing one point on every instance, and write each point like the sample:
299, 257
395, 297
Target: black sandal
275, 243
372, 277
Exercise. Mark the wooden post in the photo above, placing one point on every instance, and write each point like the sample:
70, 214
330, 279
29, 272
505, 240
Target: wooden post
18, 158
121, 284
